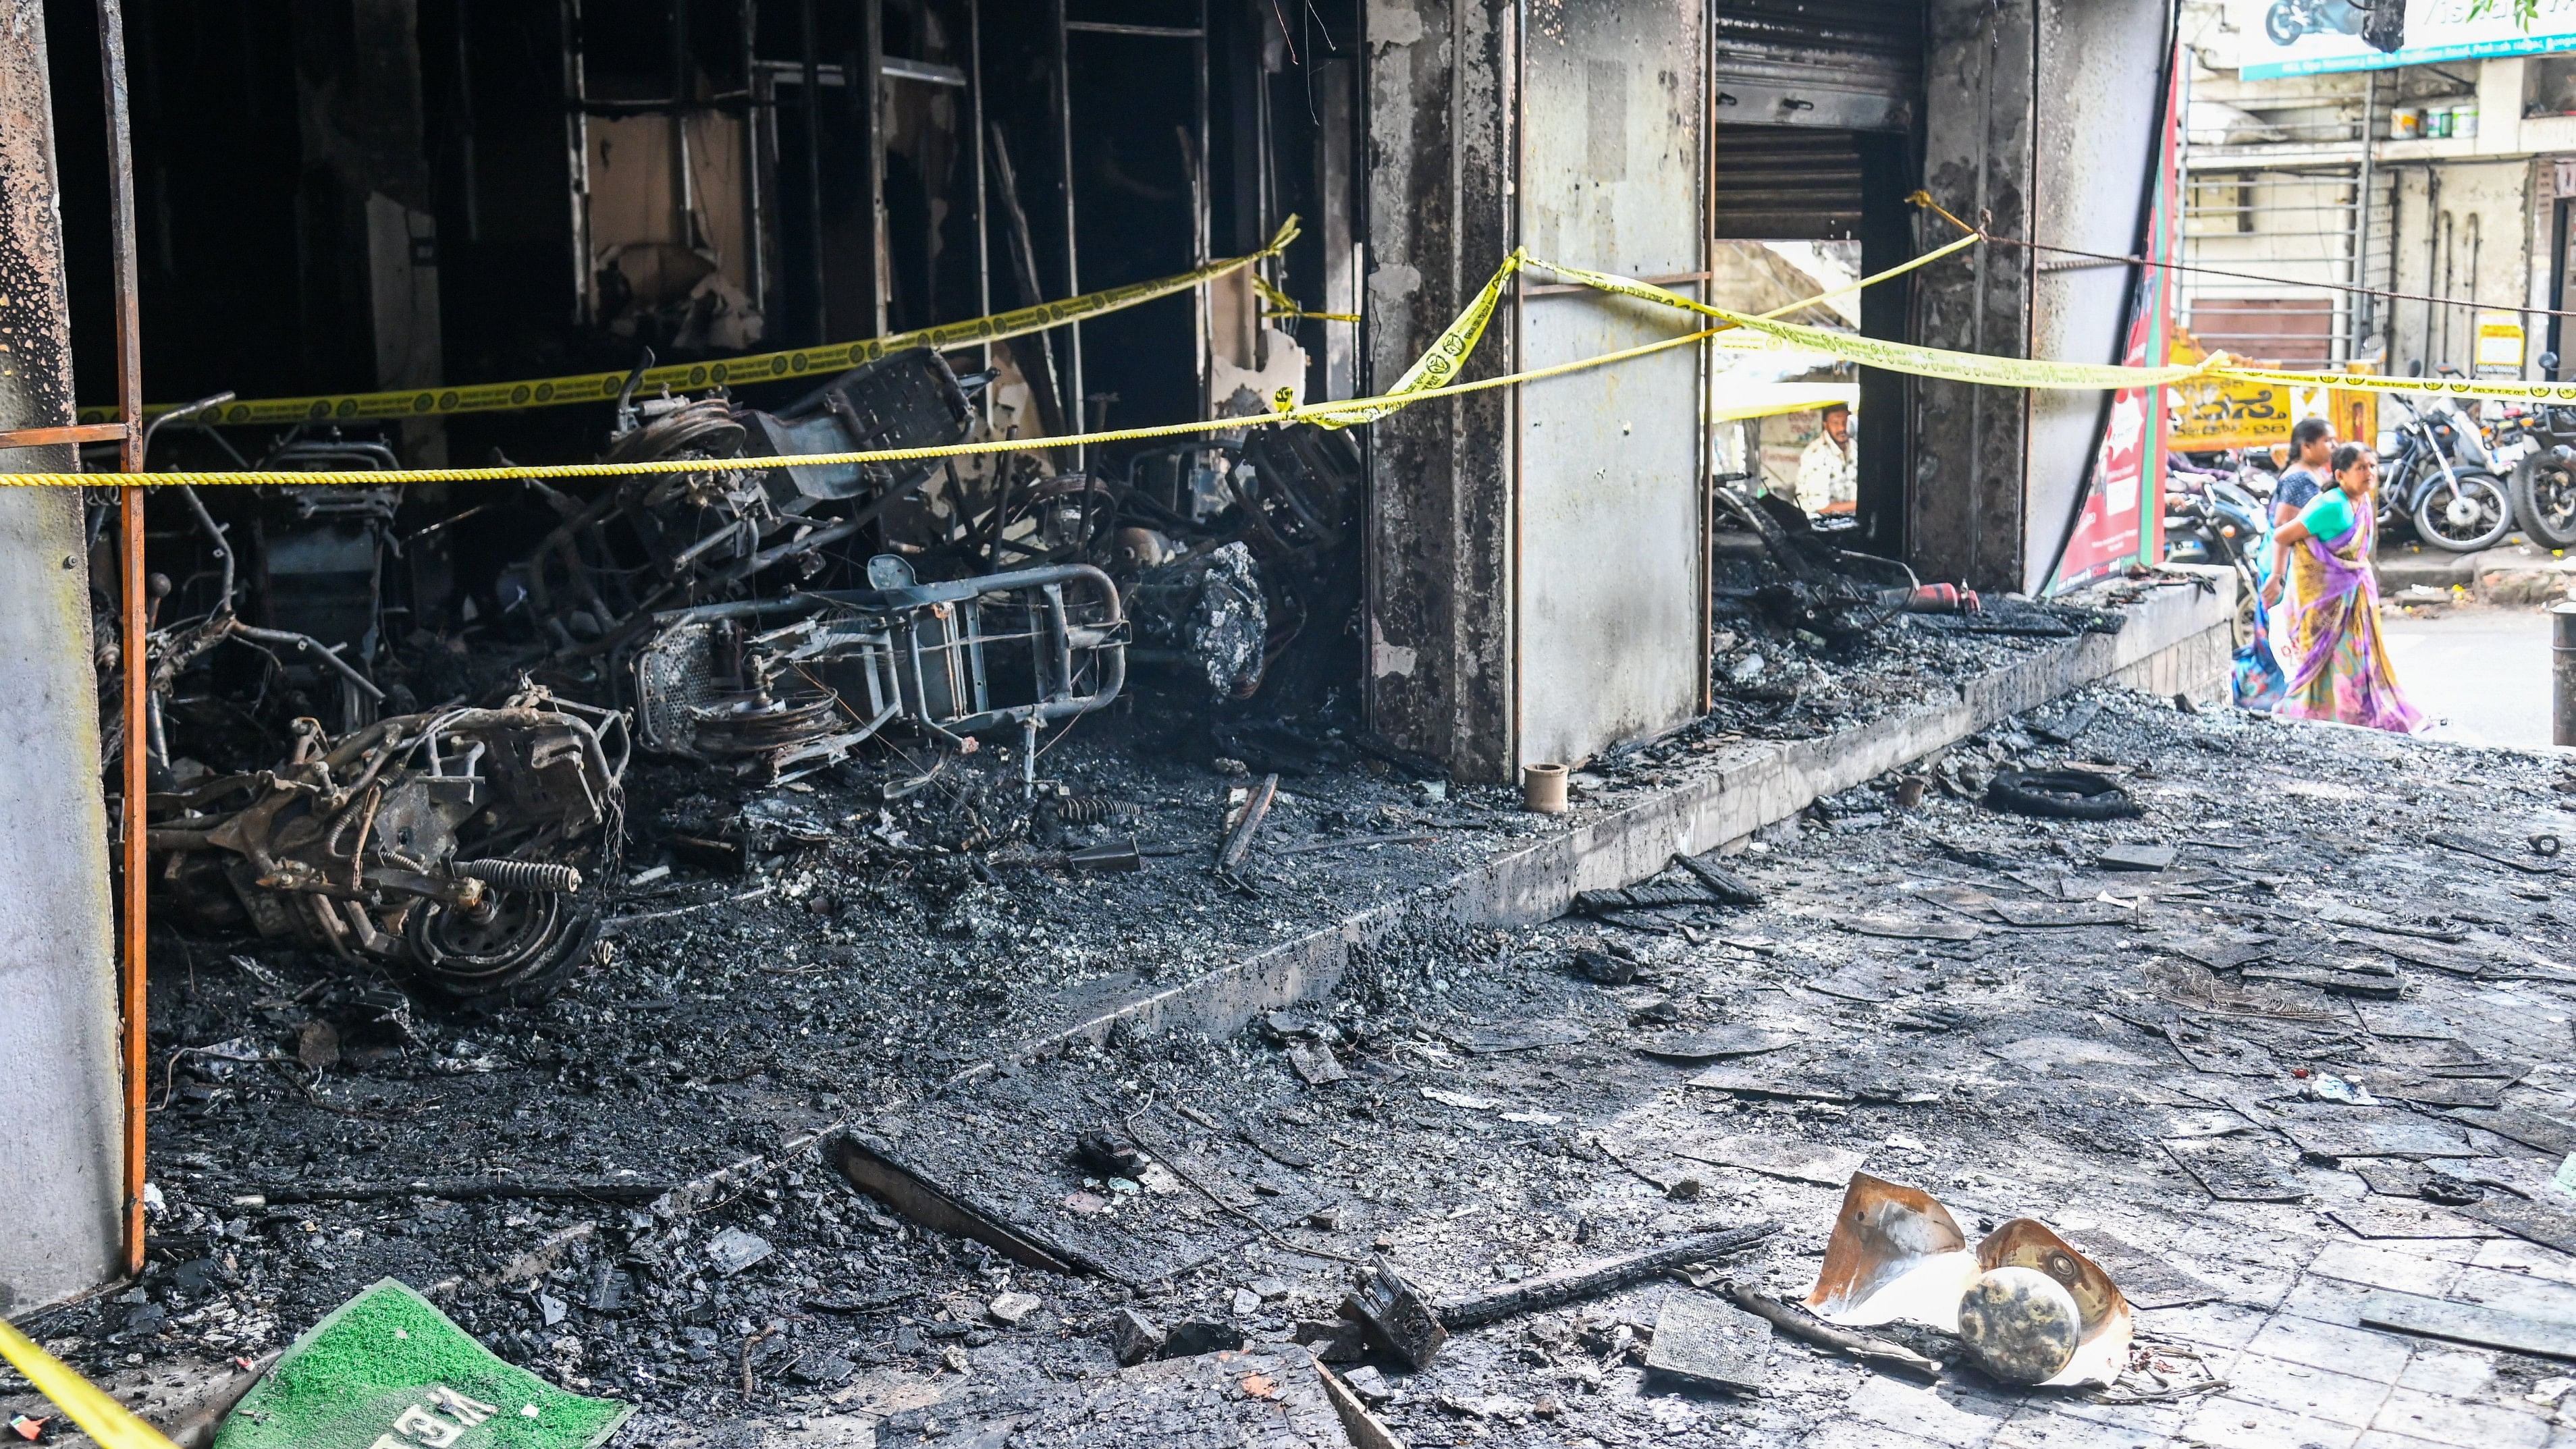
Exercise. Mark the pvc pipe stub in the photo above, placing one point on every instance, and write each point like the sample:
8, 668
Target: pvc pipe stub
1543, 789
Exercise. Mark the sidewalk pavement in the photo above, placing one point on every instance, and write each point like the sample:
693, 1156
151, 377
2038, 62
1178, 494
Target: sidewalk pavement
2513, 573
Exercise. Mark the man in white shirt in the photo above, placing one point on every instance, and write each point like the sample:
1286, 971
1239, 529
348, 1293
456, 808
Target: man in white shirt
1828, 482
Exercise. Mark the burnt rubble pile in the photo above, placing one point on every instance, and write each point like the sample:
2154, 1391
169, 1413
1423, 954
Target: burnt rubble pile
334, 754
1810, 633
2224, 1040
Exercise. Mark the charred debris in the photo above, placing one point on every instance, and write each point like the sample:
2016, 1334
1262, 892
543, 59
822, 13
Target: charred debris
395, 724
400, 725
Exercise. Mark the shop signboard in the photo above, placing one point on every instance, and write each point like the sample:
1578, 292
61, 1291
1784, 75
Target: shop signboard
2308, 37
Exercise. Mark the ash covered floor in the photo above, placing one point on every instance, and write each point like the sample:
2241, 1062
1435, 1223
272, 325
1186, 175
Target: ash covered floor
1500, 1116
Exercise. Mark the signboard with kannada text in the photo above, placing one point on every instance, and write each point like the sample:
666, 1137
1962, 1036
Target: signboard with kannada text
2217, 415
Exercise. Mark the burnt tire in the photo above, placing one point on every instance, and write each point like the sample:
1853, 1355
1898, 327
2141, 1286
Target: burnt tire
518, 951
2062, 795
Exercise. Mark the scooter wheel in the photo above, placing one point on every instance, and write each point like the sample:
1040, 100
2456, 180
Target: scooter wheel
2465, 513
2544, 499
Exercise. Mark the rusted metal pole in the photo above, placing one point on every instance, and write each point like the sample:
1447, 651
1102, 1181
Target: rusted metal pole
129, 410
2562, 674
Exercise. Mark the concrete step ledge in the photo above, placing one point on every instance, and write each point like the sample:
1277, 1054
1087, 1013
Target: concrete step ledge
2177, 640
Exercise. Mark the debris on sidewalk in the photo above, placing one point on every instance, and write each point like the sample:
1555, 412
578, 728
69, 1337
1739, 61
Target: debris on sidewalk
1702, 1340
2485, 1325
2062, 795
2028, 1307
388, 1364
1806, 1327
1591, 1279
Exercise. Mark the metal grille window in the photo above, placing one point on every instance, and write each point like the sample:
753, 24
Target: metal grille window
2293, 225
2276, 176
1853, 64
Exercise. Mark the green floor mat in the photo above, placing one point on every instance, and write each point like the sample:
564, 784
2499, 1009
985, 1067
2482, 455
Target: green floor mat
388, 1368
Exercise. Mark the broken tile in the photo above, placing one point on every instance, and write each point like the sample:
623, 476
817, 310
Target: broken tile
2237, 1169
2531, 1129
2144, 1277
1316, 1065
1791, 1158
731, 1251
2547, 1224
2367, 1132
1754, 1084
2136, 856
1715, 1044
2371, 1218
1895, 929
2035, 914
1703, 1340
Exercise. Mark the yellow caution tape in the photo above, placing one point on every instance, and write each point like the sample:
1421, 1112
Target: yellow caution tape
1284, 306
1900, 269
110, 1424
1340, 412
1905, 357
1806, 400
2456, 387
1438, 365
1435, 373
735, 371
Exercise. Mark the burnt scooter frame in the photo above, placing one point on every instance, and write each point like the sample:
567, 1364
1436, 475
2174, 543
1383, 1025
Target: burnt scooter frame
906, 650
445, 842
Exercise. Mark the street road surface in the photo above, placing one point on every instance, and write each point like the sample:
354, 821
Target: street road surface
2482, 673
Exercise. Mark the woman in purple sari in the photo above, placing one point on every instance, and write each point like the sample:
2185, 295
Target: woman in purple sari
2331, 647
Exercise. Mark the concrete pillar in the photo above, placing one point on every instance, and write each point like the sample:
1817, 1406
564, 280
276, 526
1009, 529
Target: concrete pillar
1966, 513
60, 1137
1441, 145
1996, 471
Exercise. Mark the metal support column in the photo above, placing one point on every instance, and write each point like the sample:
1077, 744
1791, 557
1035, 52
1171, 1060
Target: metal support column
983, 194
755, 236
1077, 409
63, 1225
577, 157
871, 83
684, 183
2363, 304
132, 595
1201, 245
810, 54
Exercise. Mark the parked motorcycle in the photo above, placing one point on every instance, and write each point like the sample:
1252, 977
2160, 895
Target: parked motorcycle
2544, 481
2442, 482
2214, 518
2288, 20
